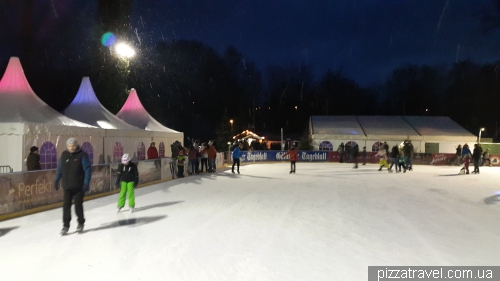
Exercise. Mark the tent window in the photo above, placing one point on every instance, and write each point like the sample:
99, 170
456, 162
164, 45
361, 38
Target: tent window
48, 156
87, 148
161, 150
352, 143
326, 145
141, 151
117, 152
376, 146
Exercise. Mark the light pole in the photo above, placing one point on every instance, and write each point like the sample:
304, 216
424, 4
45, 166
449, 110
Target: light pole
231, 121
480, 130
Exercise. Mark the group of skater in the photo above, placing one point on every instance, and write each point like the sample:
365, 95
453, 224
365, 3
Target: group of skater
75, 170
464, 156
400, 156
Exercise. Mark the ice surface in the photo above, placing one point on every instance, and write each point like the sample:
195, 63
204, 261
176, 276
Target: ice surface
327, 222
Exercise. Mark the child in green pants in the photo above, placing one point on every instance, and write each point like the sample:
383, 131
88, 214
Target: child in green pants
128, 176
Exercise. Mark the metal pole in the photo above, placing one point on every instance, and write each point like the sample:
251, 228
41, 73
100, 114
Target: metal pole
281, 144
479, 141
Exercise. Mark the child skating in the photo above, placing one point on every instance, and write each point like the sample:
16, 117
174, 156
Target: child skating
382, 153
294, 156
401, 160
181, 159
128, 178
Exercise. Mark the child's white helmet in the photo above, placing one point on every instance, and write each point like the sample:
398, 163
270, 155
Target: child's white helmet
125, 158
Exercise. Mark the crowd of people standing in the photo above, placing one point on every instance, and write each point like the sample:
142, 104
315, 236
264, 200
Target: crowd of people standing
201, 158
400, 156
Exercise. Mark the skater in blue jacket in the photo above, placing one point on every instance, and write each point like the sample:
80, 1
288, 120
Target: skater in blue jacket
236, 157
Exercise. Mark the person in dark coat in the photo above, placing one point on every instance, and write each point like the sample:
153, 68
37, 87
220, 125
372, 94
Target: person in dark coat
476, 156
341, 150
458, 158
75, 170
33, 161
486, 157
355, 155
408, 154
394, 158
174, 148
348, 151
364, 155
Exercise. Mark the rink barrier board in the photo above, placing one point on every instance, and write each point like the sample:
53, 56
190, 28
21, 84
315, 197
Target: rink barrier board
268, 156
25, 193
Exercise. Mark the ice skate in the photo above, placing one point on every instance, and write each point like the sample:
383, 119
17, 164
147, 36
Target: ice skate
238, 172
64, 231
119, 209
132, 209
232, 171
291, 172
79, 228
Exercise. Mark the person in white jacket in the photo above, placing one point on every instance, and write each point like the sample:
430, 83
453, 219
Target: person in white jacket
382, 154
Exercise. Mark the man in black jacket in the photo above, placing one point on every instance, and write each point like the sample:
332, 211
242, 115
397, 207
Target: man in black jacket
408, 154
476, 156
394, 158
75, 170
33, 161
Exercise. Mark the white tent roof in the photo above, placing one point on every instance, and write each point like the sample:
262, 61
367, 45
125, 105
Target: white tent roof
134, 113
436, 126
87, 109
387, 126
19, 104
336, 125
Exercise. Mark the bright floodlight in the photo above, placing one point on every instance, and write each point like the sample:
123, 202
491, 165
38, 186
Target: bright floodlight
482, 129
124, 50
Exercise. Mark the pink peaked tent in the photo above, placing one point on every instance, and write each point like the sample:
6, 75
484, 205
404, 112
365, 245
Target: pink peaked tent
86, 108
18, 102
133, 112
25, 121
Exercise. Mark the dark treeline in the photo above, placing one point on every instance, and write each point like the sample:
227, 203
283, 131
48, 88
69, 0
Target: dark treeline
190, 87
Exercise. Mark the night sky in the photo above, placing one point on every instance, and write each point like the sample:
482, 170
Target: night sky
363, 39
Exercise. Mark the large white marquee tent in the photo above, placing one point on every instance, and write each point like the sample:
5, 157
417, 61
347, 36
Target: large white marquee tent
429, 134
25, 121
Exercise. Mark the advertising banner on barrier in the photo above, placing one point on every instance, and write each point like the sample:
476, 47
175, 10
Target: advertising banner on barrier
442, 159
23, 191
277, 155
166, 168
149, 171
101, 177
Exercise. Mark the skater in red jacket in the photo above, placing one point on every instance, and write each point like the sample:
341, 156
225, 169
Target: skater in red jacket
294, 156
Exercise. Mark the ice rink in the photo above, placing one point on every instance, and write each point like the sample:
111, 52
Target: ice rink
327, 222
